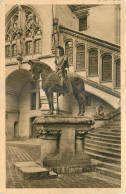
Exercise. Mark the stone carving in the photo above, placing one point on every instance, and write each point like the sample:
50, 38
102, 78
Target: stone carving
51, 83
48, 132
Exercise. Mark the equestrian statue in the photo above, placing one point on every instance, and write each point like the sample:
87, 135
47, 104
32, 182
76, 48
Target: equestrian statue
59, 81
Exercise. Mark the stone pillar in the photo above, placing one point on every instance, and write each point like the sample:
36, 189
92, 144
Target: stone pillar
113, 71
49, 145
86, 60
67, 142
79, 144
99, 66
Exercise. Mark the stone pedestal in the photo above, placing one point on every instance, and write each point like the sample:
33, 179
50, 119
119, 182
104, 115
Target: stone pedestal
62, 140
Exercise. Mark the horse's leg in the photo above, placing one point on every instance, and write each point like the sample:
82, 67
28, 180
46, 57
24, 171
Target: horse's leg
47, 95
82, 102
77, 98
51, 101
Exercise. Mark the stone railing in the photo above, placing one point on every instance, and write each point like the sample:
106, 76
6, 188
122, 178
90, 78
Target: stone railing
103, 48
109, 115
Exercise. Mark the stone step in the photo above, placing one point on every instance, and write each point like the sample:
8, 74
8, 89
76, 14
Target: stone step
104, 153
107, 179
103, 158
111, 121
33, 172
113, 124
111, 127
105, 148
18, 165
96, 142
107, 129
116, 119
116, 130
107, 133
103, 139
113, 166
108, 136
108, 172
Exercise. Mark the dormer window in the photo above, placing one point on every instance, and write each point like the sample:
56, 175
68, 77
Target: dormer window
83, 24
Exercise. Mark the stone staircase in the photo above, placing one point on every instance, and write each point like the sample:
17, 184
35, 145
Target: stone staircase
103, 145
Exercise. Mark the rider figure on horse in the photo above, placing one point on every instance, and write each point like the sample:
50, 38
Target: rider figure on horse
61, 65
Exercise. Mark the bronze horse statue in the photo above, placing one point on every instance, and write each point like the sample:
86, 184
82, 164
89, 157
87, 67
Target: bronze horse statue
51, 83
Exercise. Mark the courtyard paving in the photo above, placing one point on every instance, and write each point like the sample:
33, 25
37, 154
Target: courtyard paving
29, 150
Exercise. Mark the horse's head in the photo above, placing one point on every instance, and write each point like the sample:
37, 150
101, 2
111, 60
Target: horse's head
35, 69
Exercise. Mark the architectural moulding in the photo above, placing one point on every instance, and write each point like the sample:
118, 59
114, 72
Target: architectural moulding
88, 38
116, 57
103, 88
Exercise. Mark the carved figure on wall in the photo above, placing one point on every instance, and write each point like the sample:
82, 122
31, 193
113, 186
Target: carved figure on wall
99, 111
51, 83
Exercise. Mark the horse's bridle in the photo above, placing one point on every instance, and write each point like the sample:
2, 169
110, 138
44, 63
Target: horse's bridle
35, 69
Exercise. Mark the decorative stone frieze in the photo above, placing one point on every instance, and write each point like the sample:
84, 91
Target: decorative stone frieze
48, 132
81, 132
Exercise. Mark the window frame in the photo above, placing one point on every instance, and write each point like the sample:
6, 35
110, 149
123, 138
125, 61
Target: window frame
92, 49
118, 60
83, 27
107, 54
79, 45
36, 31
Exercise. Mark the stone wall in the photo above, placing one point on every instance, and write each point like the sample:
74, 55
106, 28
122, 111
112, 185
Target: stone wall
101, 23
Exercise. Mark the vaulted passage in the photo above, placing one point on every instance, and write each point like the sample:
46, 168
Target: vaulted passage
22, 103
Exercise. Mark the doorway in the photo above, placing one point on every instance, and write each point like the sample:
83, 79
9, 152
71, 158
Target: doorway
16, 129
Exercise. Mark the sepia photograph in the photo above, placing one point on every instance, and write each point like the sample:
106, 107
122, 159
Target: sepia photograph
62, 95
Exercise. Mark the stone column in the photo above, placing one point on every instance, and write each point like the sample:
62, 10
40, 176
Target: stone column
113, 71
86, 60
99, 66
67, 142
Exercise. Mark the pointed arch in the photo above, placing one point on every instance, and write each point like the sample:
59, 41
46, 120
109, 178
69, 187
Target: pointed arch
23, 31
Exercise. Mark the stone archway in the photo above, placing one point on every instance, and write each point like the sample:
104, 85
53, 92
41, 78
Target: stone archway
15, 82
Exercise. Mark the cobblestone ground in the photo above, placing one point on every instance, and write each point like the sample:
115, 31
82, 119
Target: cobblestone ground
22, 152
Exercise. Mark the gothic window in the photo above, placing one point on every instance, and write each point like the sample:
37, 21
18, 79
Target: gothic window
7, 51
80, 58
93, 63
23, 33
28, 48
37, 46
14, 50
83, 24
107, 68
118, 73
69, 51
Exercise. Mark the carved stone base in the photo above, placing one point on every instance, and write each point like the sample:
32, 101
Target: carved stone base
62, 142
